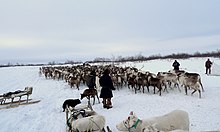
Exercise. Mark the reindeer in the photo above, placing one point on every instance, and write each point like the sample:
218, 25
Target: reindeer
90, 93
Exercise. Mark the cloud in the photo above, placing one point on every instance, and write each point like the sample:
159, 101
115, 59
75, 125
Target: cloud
18, 42
84, 30
190, 43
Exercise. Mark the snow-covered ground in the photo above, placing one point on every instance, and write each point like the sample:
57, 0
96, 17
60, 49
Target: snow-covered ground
47, 115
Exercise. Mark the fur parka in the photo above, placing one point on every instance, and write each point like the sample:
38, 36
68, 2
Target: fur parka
107, 86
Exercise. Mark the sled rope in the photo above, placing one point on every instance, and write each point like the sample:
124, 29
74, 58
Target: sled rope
69, 123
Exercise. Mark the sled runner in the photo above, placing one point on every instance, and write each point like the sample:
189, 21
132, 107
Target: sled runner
16, 104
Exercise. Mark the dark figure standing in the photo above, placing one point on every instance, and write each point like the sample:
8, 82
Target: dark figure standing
176, 65
107, 87
91, 80
208, 65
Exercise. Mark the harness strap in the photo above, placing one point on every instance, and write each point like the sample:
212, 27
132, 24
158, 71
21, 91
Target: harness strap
91, 119
133, 126
136, 123
74, 116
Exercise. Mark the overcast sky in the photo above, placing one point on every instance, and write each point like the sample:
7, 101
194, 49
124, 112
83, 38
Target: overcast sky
79, 30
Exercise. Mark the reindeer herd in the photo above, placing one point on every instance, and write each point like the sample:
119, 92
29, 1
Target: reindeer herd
129, 77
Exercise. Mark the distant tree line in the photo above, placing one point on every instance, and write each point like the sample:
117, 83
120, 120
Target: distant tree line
138, 57
17, 64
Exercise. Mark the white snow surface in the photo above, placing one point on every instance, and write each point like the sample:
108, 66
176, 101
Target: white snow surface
47, 115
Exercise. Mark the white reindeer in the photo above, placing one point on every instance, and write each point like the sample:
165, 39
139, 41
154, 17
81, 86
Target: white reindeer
174, 120
86, 124
189, 82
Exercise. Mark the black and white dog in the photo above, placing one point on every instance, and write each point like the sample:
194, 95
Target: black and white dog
70, 102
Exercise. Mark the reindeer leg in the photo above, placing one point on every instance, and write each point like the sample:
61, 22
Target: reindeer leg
88, 97
160, 88
199, 94
160, 91
186, 90
178, 87
165, 88
135, 90
108, 129
201, 86
148, 89
93, 99
154, 89
98, 98
193, 92
77, 86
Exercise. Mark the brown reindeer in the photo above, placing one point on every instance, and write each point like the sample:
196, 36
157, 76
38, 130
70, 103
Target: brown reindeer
74, 81
155, 82
90, 93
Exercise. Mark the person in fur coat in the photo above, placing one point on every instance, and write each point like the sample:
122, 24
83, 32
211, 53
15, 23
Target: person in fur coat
107, 87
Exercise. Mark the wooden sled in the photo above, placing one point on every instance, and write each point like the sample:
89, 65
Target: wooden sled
12, 95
